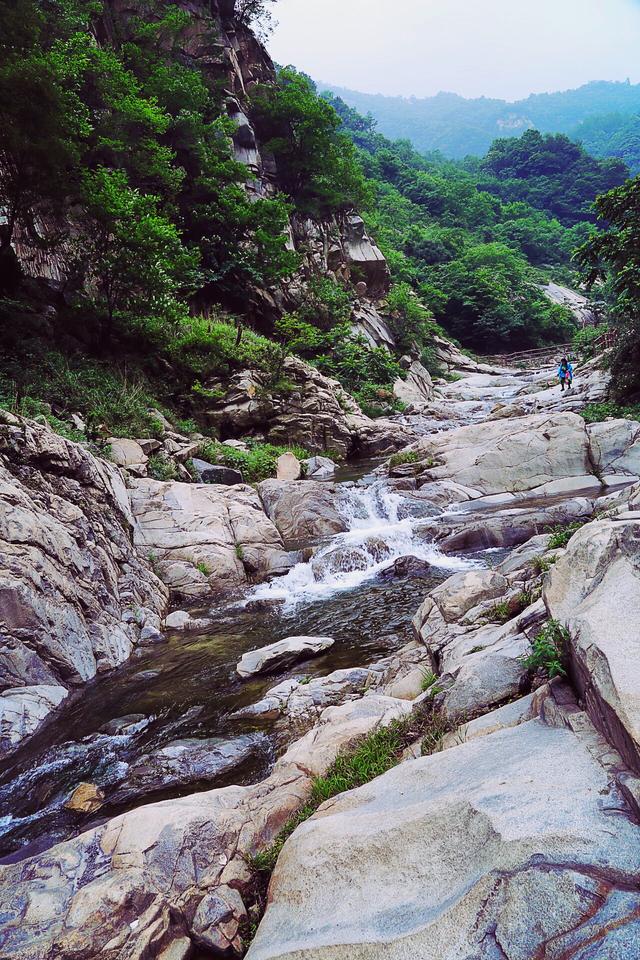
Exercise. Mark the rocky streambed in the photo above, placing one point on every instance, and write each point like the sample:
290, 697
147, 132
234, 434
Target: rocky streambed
517, 838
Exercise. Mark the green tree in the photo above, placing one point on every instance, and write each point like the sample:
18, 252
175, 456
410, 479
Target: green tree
317, 163
131, 256
615, 255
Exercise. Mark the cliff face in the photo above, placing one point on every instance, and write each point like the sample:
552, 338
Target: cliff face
337, 247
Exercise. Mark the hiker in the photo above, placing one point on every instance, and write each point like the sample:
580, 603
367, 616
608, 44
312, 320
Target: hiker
565, 374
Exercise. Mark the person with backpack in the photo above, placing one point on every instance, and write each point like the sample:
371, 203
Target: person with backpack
565, 374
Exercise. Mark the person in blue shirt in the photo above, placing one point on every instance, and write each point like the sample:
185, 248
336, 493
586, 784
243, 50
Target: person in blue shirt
565, 374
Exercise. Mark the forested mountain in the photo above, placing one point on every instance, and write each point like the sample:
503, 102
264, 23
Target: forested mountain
476, 239
612, 135
457, 126
171, 202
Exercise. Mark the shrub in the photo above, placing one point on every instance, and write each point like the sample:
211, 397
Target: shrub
548, 650
507, 609
597, 412
257, 463
161, 468
112, 401
407, 456
562, 533
585, 340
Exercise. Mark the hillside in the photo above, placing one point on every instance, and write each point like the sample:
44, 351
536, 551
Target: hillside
318, 633
458, 127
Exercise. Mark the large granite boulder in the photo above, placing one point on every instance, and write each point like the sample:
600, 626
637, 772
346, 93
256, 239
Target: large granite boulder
504, 846
75, 595
317, 413
594, 590
615, 446
509, 455
203, 537
302, 511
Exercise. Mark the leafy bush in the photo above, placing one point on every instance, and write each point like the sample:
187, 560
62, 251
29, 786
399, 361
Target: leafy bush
112, 402
256, 464
208, 347
585, 340
326, 303
562, 533
548, 650
161, 468
408, 456
597, 412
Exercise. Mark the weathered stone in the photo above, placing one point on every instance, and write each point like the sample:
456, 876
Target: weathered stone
594, 589
69, 573
288, 467
128, 454
302, 511
319, 468
213, 473
524, 868
86, 798
203, 537
282, 654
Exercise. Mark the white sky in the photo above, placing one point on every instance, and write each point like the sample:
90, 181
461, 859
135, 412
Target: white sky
496, 48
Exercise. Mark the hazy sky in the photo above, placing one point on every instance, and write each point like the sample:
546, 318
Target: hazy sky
498, 48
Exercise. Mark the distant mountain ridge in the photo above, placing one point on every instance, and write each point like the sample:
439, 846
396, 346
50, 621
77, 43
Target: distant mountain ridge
458, 126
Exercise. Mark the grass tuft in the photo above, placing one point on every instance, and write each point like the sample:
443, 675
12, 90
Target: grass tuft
549, 650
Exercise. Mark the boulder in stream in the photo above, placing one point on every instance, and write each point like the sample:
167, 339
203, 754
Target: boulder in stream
282, 654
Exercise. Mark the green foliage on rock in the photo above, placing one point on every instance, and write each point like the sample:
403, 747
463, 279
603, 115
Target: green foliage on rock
614, 255
548, 650
317, 164
257, 463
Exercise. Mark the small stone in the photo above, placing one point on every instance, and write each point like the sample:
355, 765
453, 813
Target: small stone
214, 473
288, 467
280, 654
86, 798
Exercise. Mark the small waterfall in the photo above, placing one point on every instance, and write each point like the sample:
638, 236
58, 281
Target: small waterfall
377, 535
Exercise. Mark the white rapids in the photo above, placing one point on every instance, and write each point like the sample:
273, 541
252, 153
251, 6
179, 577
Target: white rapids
377, 535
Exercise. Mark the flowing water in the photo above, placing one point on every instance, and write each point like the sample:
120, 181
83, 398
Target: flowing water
352, 590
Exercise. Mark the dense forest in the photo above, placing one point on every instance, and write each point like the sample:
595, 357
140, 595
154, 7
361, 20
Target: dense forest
117, 167
458, 127
612, 135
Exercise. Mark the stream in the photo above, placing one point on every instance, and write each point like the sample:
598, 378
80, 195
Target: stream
187, 689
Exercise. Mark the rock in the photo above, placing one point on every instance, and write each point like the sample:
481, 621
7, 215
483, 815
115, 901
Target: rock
128, 454
521, 875
281, 654
288, 467
70, 574
213, 473
24, 709
615, 446
511, 715
236, 445
299, 704
317, 413
217, 921
302, 511
319, 468
182, 620
149, 446
340, 726
86, 798
504, 455
124, 726
78, 422
205, 538
594, 589
407, 567
140, 877
416, 389
186, 762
